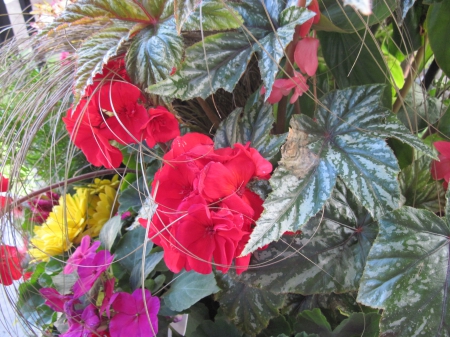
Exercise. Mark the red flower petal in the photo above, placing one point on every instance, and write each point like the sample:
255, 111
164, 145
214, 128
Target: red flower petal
305, 55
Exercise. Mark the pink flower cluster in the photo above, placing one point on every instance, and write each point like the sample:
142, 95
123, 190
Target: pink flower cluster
205, 210
113, 110
305, 56
441, 169
128, 316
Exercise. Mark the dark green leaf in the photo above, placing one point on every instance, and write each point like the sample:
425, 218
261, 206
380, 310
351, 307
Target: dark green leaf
218, 328
438, 27
249, 308
277, 325
354, 59
315, 152
410, 25
188, 288
252, 124
405, 6
419, 188
215, 16
444, 123
154, 52
198, 313
54, 266
329, 256
110, 231
346, 19
357, 325
129, 249
144, 268
407, 274
133, 197
421, 109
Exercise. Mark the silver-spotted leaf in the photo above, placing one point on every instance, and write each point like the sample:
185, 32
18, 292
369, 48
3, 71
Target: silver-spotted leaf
154, 52
408, 274
227, 56
317, 151
213, 15
249, 308
329, 255
96, 51
419, 188
252, 124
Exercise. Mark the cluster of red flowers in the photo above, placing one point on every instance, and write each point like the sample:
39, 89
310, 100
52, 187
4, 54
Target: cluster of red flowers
113, 110
305, 56
441, 169
205, 210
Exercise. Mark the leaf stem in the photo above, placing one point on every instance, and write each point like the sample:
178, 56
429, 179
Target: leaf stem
412, 74
209, 112
289, 70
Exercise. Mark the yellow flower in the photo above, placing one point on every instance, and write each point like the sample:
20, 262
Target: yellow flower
62, 226
105, 207
99, 185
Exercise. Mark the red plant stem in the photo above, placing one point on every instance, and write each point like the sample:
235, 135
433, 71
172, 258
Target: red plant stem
289, 70
209, 112
89, 175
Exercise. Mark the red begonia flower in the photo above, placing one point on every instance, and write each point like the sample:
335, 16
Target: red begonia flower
303, 29
161, 127
282, 87
131, 319
114, 70
441, 169
4, 183
118, 101
206, 234
305, 55
87, 130
10, 268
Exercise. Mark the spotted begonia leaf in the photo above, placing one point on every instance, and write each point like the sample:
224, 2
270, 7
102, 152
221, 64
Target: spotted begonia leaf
316, 151
219, 60
329, 255
408, 273
249, 308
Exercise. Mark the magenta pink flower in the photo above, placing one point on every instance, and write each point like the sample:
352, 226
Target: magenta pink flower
108, 288
81, 253
85, 325
54, 299
131, 317
305, 55
90, 270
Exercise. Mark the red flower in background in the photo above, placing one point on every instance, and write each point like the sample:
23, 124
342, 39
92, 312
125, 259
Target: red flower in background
4, 183
10, 265
205, 210
112, 111
441, 169
42, 205
303, 29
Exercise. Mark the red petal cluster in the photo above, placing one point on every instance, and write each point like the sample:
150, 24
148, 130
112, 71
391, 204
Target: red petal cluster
205, 210
441, 169
305, 56
112, 111
10, 268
